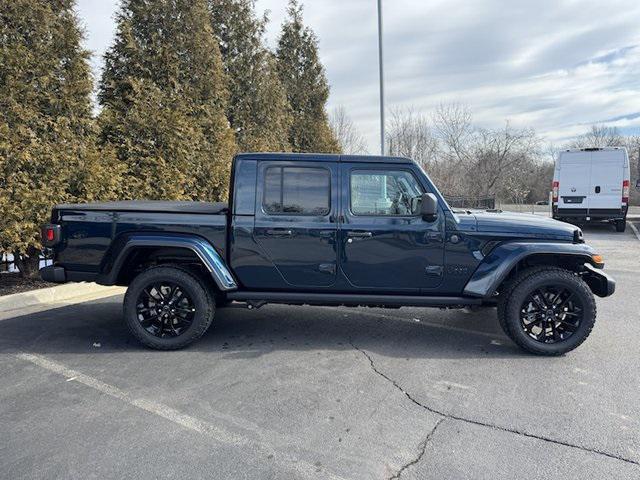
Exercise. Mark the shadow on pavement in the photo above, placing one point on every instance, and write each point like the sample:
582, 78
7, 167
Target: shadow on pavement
240, 333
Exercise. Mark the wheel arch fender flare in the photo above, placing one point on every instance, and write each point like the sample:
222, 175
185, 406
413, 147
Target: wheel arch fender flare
500, 262
122, 247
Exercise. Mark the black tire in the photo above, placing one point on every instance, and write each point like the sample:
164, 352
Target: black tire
566, 335
508, 287
621, 225
194, 322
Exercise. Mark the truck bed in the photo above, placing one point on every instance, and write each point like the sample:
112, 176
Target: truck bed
94, 232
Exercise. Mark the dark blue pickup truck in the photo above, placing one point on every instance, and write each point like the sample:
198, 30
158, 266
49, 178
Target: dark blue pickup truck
309, 229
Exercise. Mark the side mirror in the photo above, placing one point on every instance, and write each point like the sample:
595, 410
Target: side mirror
638, 184
429, 207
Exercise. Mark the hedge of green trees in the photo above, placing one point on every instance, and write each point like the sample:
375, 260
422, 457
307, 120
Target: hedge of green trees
186, 84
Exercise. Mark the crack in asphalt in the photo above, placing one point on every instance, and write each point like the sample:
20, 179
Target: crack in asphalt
485, 424
423, 449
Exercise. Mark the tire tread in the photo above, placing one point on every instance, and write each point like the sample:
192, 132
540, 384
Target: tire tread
542, 272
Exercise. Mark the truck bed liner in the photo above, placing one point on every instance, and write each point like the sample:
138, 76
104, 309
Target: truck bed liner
210, 208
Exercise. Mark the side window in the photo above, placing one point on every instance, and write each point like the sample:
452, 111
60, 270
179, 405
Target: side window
391, 192
297, 191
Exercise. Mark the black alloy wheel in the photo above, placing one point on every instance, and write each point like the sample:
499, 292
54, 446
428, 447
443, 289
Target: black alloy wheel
551, 314
167, 307
547, 310
164, 309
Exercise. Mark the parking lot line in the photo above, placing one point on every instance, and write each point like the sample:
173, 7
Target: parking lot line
635, 230
171, 414
156, 408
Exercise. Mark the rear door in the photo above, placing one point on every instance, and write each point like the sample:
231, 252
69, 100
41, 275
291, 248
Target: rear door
607, 171
295, 220
574, 177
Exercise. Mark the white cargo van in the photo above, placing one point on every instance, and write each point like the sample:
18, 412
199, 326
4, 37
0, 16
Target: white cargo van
592, 185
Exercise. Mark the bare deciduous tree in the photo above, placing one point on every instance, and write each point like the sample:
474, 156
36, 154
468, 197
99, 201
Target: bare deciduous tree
463, 159
410, 135
599, 136
345, 131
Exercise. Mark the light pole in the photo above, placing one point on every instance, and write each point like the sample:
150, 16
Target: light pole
381, 68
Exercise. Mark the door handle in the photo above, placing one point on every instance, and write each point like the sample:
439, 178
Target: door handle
359, 234
279, 232
433, 236
327, 268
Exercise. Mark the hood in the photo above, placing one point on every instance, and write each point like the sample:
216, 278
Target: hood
526, 225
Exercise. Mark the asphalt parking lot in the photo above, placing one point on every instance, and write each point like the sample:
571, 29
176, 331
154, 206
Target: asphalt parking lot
305, 392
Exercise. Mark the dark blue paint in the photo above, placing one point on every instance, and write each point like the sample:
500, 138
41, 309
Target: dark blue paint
198, 245
497, 264
404, 255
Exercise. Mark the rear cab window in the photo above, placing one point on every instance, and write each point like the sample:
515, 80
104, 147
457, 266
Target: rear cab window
297, 191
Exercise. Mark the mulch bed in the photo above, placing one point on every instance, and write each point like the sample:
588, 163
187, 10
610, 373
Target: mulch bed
14, 283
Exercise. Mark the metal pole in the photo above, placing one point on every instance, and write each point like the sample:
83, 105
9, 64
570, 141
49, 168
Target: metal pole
381, 68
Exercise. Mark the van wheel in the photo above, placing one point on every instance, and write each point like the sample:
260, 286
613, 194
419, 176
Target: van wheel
167, 308
621, 225
547, 311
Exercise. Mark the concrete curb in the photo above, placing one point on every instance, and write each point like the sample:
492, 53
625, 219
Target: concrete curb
66, 294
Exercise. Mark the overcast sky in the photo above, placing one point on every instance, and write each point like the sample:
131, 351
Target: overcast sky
555, 65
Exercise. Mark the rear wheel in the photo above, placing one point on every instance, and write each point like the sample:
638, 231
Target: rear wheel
168, 308
621, 225
548, 311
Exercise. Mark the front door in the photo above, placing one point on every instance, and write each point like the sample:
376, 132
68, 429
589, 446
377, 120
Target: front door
385, 244
295, 221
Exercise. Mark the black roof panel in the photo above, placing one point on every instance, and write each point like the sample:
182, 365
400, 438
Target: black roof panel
322, 157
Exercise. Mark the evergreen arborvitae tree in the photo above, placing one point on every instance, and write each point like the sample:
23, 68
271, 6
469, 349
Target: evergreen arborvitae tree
47, 134
304, 80
164, 98
258, 109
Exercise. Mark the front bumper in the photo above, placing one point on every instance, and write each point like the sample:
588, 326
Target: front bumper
599, 282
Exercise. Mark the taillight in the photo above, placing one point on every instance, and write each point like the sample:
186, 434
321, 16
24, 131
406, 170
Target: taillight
50, 234
555, 187
625, 191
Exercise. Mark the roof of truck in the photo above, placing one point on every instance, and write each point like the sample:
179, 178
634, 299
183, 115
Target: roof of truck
323, 157
594, 149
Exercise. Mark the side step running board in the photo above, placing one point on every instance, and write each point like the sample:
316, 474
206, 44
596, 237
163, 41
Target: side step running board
351, 299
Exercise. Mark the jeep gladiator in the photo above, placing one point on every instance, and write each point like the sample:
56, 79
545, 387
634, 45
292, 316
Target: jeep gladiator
311, 229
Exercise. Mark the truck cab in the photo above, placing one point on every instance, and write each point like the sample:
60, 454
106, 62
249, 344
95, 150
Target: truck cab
329, 230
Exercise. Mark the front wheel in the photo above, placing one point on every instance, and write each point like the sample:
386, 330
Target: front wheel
167, 308
550, 311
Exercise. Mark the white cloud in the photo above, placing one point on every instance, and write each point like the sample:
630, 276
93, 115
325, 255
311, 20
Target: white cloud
555, 65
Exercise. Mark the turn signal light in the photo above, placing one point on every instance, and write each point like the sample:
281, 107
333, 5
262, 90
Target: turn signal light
597, 259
